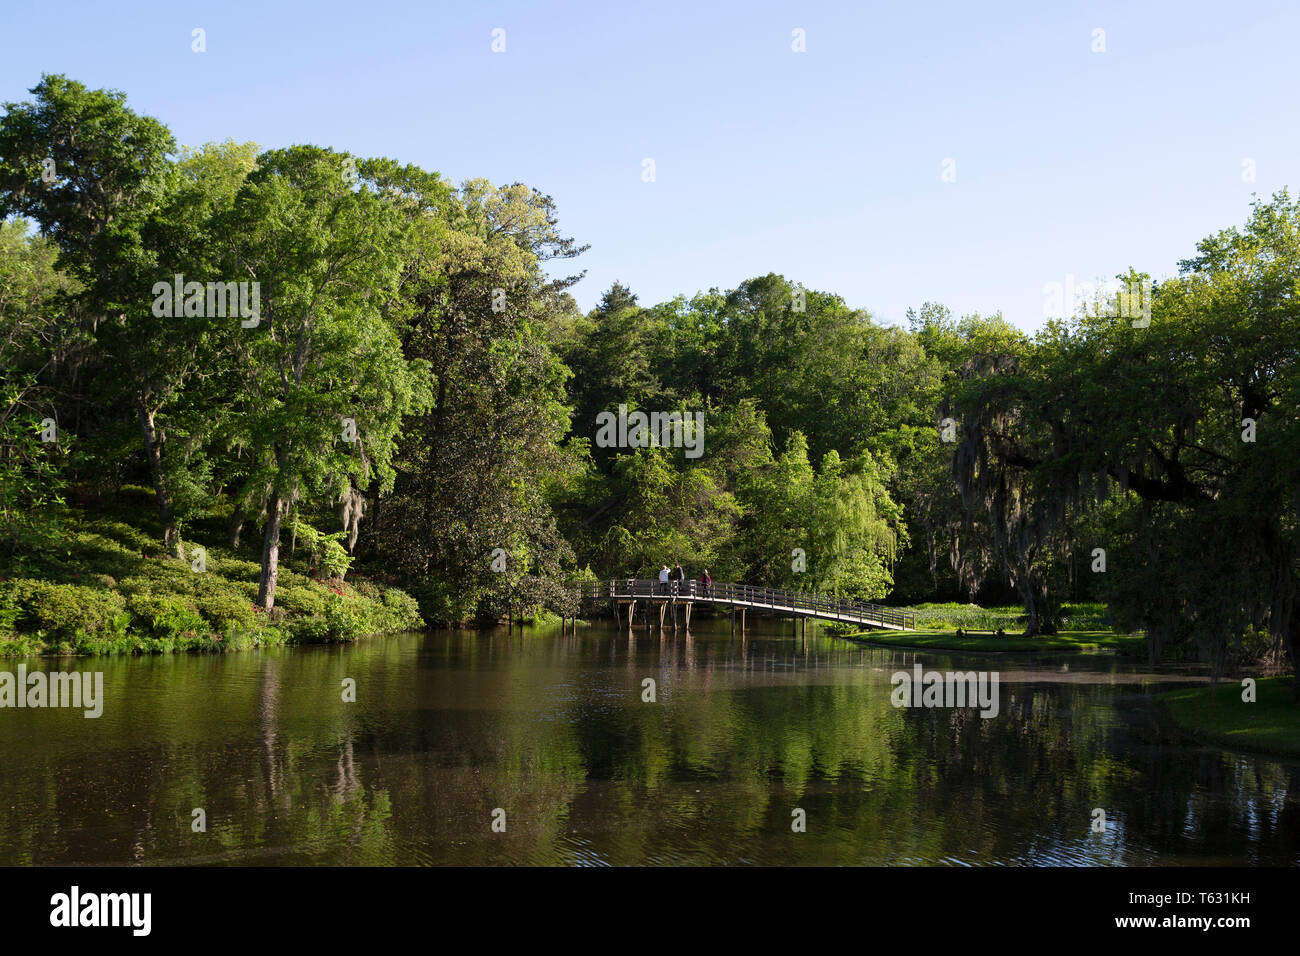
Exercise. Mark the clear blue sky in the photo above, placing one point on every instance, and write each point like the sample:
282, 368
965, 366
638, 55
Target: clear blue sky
824, 166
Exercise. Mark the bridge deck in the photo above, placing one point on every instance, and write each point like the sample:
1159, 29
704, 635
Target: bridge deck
779, 600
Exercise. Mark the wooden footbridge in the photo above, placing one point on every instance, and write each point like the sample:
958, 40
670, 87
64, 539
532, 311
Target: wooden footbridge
624, 595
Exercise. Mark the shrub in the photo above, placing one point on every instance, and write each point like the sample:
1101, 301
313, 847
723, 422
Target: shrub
9, 612
308, 601
367, 589
403, 610
346, 620
65, 610
167, 618
325, 551
226, 611
310, 630
235, 569
19, 645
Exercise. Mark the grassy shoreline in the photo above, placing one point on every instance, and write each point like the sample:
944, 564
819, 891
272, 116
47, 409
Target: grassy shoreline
1270, 725
935, 639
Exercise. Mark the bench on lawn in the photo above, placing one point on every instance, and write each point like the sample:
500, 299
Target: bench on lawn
967, 633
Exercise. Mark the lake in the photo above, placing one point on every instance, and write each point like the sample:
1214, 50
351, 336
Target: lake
547, 736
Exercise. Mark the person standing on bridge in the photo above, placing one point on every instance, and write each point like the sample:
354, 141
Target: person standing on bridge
663, 578
679, 576
706, 582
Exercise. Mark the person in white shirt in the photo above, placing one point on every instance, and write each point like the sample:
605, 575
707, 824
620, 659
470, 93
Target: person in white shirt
663, 578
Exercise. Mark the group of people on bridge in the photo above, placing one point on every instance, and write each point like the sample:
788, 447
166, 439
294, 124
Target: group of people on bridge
671, 581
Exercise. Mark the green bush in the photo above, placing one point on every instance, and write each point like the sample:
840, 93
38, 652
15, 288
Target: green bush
403, 610
310, 630
308, 601
236, 639
168, 618
64, 610
235, 569
325, 551
10, 612
367, 589
346, 619
125, 536
226, 611
20, 645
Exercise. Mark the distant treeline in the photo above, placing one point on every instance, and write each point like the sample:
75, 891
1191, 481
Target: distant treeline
299, 335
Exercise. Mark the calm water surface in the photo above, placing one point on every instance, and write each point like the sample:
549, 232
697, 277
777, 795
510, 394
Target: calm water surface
449, 726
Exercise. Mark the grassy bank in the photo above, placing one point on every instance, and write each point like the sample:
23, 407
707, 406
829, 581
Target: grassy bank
1011, 618
1090, 641
1269, 725
102, 588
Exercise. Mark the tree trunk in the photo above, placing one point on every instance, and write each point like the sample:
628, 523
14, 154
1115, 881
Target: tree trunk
1155, 643
236, 526
171, 533
1293, 654
1031, 608
270, 554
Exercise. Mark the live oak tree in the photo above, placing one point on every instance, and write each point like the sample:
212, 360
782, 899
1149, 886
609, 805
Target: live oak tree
326, 383
1192, 422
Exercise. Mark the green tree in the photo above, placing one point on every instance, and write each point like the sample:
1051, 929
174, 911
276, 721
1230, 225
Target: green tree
91, 173
34, 334
326, 382
477, 470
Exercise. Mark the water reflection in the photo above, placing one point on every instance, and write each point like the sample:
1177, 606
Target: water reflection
552, 729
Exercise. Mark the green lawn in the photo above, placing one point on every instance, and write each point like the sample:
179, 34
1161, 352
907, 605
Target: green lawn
1270, 725
947, 640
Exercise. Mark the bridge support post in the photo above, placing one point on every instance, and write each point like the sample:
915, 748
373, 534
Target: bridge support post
688, 615
663, 608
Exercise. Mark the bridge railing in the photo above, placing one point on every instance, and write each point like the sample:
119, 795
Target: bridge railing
781, 599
